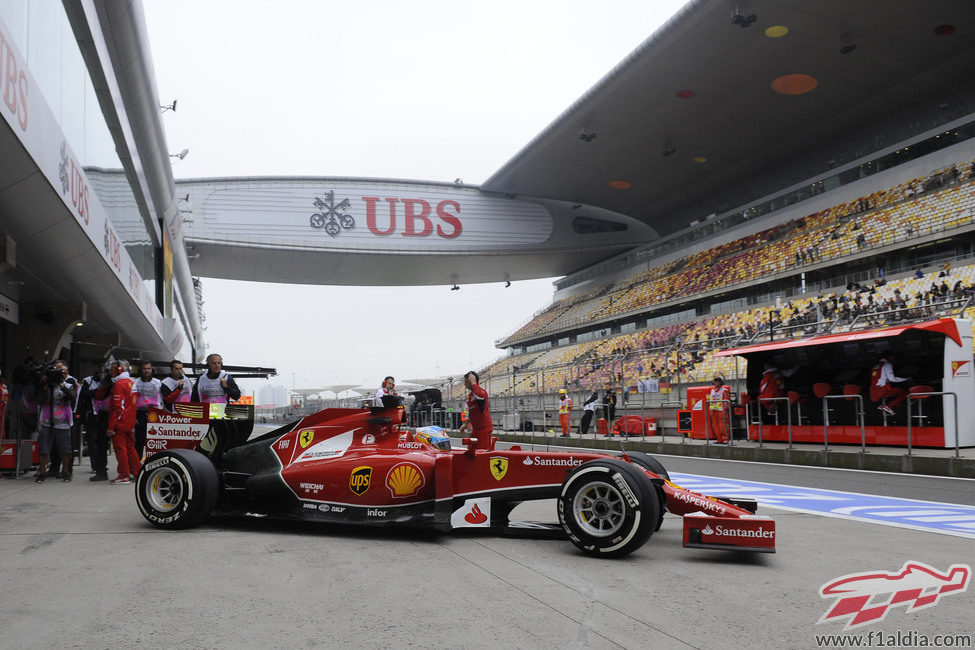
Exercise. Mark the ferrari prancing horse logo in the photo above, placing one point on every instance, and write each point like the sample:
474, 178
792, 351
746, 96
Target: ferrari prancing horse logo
305, 438
499, 467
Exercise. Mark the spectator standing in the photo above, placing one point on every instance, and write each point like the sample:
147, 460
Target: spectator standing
177, 387
56, 398
215, 386
121, 423
565, 411
148, 393
588, 408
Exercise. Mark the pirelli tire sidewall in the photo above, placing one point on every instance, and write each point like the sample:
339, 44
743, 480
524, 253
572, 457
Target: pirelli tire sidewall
647, 461
190, 476
624, 484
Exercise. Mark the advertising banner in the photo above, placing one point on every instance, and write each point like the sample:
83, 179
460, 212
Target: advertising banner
166, 430
369, 215
25, 110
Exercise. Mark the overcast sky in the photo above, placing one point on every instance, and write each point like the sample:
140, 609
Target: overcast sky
418, 90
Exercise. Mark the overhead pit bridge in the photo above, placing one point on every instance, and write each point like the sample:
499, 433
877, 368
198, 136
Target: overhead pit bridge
353, 231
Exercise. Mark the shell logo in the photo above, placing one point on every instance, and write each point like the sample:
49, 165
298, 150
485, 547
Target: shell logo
404, 480
153, 417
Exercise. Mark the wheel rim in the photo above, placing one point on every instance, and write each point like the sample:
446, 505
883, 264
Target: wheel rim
599, 509
164, 489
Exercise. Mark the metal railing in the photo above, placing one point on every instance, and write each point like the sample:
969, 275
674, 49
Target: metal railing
860, 413
788, 417
910, 432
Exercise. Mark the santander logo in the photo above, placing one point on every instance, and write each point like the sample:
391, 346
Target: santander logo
475, 516
916, 586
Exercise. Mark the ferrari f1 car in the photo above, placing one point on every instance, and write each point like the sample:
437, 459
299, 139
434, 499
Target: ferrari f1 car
360, 466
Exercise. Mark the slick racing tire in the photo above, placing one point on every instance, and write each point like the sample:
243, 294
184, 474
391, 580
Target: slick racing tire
608, 508
647, 461
177, 488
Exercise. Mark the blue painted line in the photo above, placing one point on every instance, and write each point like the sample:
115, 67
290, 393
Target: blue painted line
931, 516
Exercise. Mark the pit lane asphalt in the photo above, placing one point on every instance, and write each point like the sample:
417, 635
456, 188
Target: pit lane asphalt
80, 567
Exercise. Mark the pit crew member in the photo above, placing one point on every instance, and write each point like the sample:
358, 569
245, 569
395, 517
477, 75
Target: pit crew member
177, 387
385, 390
147, 390
881, 378
121, 423
479, 422
215, 386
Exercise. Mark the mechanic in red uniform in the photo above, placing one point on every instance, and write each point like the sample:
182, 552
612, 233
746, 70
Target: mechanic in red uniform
479, 422
881, 378
771, 386
121, 423
718, 409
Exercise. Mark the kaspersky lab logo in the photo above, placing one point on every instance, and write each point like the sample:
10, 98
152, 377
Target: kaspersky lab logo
332, 216
866, 598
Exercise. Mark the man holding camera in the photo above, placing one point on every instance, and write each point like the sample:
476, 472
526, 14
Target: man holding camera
55, 402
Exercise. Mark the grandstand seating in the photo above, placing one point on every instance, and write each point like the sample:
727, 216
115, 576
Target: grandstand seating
940, 201
871, 221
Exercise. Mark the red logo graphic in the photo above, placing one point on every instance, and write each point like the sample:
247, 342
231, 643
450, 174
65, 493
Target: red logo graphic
958, 365
475, 516
916, 585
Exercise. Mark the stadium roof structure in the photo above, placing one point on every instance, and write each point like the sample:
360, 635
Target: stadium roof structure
705, 104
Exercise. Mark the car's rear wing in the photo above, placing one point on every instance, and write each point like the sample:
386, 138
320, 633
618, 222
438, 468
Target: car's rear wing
210, 429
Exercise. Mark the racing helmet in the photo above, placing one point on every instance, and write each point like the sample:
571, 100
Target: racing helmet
433, 436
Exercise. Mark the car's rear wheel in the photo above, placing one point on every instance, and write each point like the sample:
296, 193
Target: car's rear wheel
608, 508
177, 488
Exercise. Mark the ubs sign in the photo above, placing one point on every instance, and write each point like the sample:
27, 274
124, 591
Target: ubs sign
369, 215
406, 217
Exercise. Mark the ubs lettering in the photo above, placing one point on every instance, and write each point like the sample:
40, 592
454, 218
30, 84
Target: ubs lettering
416, 219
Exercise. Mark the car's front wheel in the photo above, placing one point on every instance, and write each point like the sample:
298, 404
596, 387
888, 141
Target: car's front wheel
177, 488
608, 508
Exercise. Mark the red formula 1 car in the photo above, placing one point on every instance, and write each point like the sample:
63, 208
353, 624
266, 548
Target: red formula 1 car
358, 466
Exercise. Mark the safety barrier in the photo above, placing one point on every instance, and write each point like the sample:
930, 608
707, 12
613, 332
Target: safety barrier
954, 401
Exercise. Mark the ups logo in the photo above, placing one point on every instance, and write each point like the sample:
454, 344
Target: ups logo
360, 479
